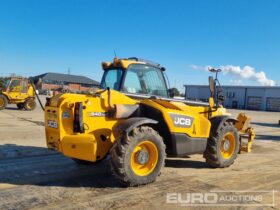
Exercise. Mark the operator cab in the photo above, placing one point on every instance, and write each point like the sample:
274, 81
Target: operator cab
16, 84
135, 77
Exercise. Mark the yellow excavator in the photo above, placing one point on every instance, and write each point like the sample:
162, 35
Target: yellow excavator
134, 119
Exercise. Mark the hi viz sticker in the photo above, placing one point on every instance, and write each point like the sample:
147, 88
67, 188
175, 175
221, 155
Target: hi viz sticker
181, 121
65, 114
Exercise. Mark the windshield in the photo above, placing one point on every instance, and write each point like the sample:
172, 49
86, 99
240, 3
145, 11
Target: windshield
138, 79
7, 84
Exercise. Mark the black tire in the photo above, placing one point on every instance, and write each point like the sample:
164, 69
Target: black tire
3, 102
29, 104
20, 106
123, 150
214, 153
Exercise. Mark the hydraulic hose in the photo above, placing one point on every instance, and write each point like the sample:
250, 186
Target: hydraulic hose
34, 89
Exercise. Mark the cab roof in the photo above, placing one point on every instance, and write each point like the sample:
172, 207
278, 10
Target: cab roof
125, 62
17, 77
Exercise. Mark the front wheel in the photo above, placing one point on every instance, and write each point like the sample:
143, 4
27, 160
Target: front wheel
137, 158
222, 146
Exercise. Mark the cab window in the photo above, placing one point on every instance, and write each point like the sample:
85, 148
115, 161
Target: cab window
112, 79
15, 86
144, 79
7, 84
132, 83
24, 86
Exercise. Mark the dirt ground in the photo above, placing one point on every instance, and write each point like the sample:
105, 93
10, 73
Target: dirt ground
32, 177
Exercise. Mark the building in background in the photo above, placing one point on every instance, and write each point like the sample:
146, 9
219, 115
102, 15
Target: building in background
240, 97
55, 81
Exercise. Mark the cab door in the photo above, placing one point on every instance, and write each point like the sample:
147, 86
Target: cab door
24, 89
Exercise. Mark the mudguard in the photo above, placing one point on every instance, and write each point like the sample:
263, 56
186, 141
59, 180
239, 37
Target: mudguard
131, 123
5, 95
217, 122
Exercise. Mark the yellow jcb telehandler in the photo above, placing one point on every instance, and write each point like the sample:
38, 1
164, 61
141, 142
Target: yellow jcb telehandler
133, 119
19, 91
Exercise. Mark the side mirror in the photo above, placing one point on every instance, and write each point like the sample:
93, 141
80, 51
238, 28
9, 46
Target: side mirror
171, 93
211, 85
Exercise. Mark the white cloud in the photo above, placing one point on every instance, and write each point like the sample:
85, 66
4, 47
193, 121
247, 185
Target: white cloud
245, 73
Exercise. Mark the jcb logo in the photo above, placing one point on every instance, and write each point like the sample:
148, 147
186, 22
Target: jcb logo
52, 124
181, 120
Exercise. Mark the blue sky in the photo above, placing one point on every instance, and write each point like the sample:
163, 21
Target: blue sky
54, 35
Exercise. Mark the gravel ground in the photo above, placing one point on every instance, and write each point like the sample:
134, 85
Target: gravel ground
32, 177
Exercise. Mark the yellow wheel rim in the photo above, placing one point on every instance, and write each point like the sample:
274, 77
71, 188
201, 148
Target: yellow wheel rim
144, 158
29, 105
228, 145
1, 102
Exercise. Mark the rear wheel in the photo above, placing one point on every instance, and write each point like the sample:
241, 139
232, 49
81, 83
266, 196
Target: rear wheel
20, 106
137, 159
222, 146
30, 104
3, 102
